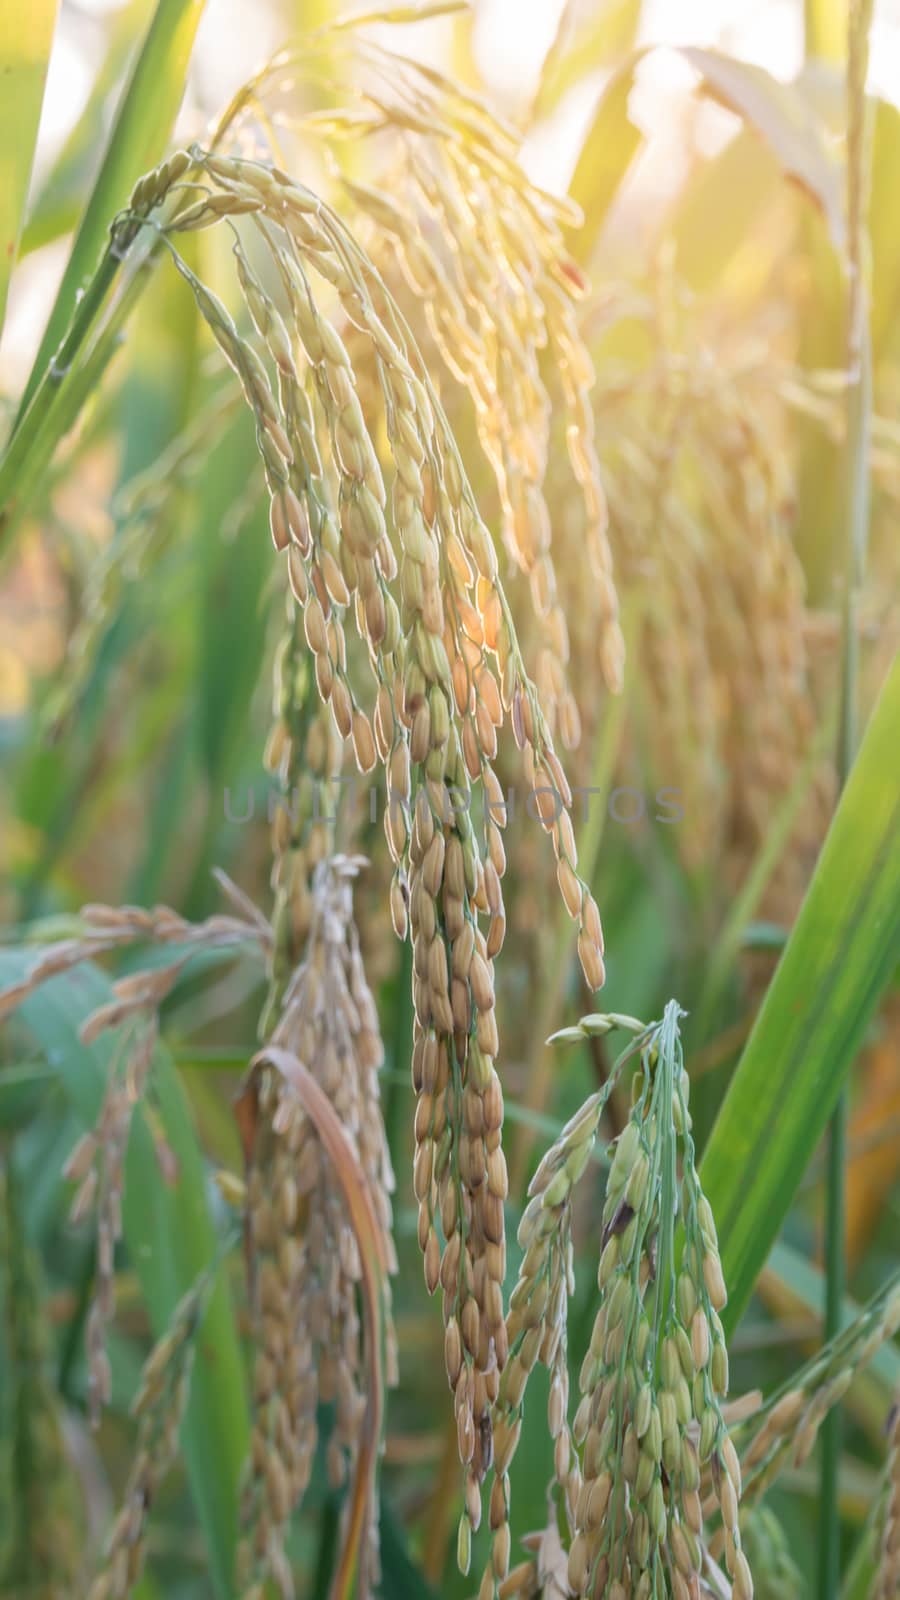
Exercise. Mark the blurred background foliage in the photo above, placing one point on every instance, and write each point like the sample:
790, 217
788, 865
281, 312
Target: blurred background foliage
139, 621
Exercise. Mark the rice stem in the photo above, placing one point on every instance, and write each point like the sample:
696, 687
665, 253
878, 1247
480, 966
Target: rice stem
858, 433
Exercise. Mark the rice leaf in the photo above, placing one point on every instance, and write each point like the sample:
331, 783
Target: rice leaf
835, 966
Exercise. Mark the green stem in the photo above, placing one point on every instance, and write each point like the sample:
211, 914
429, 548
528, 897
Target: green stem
859, 405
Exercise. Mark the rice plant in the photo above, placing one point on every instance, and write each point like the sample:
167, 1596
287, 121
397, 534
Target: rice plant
406, 561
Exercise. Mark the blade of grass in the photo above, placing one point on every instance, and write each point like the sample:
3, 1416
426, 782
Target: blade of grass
735, 186
835, 965
170, 1239
26, 34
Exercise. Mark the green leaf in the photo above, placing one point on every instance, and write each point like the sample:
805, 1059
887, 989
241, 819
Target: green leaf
136, 142
170, 1239
26, 33
838, 960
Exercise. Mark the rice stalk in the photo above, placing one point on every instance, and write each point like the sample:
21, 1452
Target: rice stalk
859, 405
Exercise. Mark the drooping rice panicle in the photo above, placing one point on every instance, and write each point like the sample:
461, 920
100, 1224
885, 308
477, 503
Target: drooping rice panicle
105, 930
418, 572
303, 1254
483, 250
448, 670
